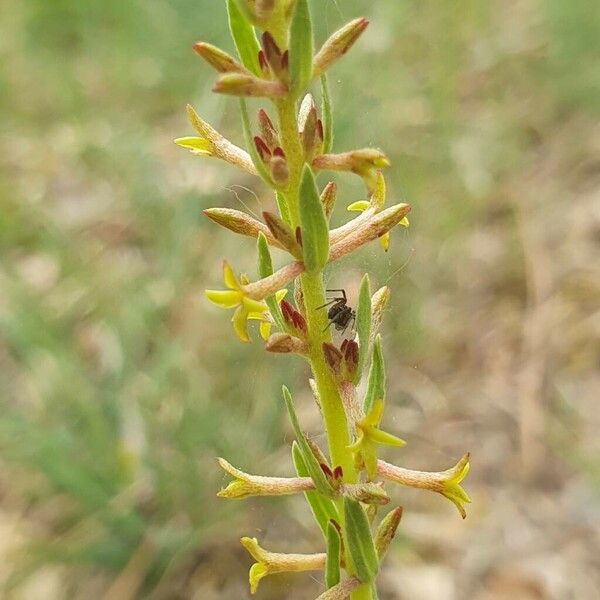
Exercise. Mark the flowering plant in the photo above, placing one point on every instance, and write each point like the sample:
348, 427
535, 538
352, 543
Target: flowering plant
276, 62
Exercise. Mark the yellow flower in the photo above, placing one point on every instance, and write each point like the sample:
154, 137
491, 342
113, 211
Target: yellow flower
376, 203
245, 307
384, 240
451, 488
274, 562
369, 434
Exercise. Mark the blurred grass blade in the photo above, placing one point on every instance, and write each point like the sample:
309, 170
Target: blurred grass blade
315, 231
244, 38
361, 549
332, 566
363, 324
323, 509
301, 47
326, 115
376, 382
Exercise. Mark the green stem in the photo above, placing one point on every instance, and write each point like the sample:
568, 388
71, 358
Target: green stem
332, 408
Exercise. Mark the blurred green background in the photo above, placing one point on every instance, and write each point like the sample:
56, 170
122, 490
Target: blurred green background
119, 384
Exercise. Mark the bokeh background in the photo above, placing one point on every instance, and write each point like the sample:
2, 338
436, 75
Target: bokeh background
119, 384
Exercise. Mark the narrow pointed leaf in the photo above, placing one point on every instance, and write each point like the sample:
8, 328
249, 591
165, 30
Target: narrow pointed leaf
282, 205
301, 47
332, 566
244, 38
265, 268
361, 549
363, 324
323, 509
313, 467
256, 159
376, 382
326, 115
315, 232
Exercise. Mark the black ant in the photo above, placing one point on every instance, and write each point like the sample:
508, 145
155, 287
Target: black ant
340, 313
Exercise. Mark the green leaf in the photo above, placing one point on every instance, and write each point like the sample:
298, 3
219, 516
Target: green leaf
363, 324
256, 160
314, 469
315, 232
301, 47
244, 38
282, 205
326, 115
323, 509
332, 566
361, 549
265, 268
376, 382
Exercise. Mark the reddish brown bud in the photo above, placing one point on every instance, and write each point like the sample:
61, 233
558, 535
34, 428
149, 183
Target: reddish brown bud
328, 472
338, 472
293, 319
282, 233
262, 148
299, 322
333, 356
285, 60
320, 130
279, 152
299, 235
262, 61
274, 56
267, 129
350, 351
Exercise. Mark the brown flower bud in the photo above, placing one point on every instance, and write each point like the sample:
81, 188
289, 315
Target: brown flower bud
360, 161
267, 130
276, 60
284, 343
242, 84
333, 357
386, 531
293, 319
338, 44
350, 351
282, 232
240, 222
218, 59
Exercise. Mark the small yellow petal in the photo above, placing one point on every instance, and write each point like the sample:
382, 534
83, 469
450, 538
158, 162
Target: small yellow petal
265, 330
384, 241
280, 294
240, 321
224, 298
404, 222
197, 145
257, 572
358, 206
374, 416
385, 438
229, 277
255, 306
